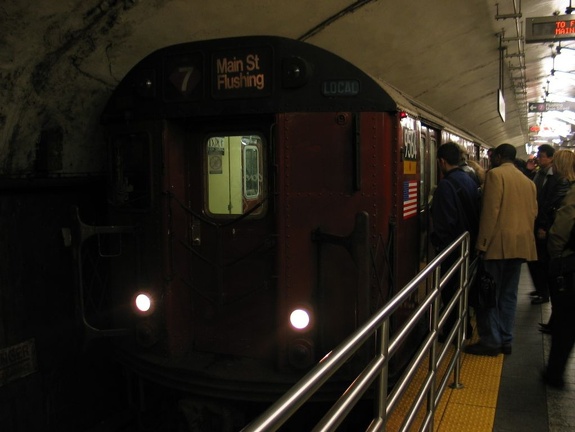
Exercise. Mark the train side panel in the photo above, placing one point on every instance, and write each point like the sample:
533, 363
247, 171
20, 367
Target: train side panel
327, 179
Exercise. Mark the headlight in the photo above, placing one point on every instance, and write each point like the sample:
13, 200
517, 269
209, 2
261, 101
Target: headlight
299, 319
143, 303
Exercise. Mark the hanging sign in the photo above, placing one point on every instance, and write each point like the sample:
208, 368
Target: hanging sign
550, 29
550, 106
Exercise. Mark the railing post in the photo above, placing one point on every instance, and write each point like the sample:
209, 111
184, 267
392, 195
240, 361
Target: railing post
381, 396
433, 349
463, 273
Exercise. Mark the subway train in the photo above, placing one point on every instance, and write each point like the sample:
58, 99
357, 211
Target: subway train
265, 197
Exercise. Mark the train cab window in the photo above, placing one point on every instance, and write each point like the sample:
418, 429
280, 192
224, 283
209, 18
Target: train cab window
130, 185
251, 172
235, 180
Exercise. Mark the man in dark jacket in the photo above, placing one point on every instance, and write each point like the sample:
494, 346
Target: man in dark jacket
550, 193
455, 209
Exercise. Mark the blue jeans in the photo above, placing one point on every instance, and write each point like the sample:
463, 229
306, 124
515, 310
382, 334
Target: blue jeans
495, 325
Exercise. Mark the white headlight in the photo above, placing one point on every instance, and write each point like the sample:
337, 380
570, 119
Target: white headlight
299, 319
143, 302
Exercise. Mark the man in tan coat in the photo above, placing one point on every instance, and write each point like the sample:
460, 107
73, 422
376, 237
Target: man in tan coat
504, 242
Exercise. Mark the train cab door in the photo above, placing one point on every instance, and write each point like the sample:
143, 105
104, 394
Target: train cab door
229, 239
428, 182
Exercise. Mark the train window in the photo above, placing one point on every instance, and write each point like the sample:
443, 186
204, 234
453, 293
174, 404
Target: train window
251, 172
235, 175
433, 175
130, 185
423, 180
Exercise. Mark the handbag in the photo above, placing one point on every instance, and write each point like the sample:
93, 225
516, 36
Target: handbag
483, 290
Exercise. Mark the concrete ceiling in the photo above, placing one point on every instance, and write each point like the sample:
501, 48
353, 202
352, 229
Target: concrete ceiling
60, 60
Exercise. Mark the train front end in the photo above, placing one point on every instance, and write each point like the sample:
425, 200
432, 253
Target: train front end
253, 209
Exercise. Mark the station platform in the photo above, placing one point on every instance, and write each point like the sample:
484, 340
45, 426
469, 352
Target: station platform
506, 393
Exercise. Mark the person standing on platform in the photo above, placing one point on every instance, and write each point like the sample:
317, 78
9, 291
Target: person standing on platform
550, 193
553, 188
504, 242
455, 209
561, 248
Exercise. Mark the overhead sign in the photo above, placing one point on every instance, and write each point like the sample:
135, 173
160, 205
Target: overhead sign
550, 29
550, 106
501, 104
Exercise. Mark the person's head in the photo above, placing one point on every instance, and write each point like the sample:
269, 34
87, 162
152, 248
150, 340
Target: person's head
490, 155
503, 153
520, 164
448, 156
530, 164
463, 156
545, 154
479, 170
564, 164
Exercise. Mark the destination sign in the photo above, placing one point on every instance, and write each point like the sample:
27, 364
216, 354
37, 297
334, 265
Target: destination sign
549, 29
242, 73
550, 106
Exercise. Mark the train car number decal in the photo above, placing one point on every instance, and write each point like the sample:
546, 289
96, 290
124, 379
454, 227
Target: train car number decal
409, 151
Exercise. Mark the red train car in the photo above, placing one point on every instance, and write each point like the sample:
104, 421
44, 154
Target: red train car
265, 198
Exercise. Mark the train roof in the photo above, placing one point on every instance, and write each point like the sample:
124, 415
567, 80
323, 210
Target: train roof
251, 75
425, 113
243, 75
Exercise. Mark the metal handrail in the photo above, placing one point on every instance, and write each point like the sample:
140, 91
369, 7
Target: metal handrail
377, 369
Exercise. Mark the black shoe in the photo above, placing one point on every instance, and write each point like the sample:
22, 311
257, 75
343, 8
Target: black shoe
552, 381
545, 330
506, 349
534, 293
539, 300
481, 350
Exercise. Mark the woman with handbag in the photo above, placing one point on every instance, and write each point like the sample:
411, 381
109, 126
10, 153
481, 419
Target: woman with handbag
561, 248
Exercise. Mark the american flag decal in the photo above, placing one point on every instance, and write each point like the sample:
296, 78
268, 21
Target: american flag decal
409, 199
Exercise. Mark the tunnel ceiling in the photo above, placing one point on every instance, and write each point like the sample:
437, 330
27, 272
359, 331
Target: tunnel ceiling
59, 61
